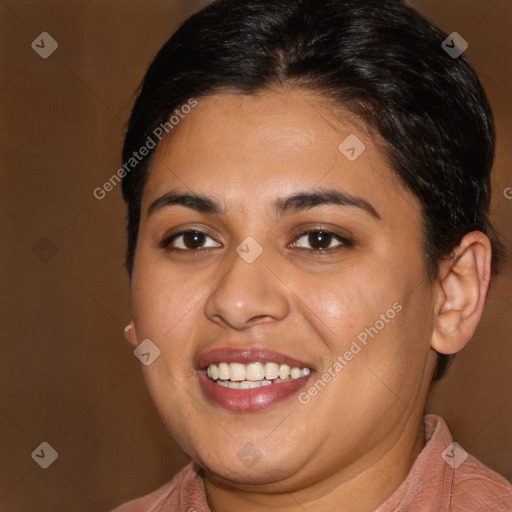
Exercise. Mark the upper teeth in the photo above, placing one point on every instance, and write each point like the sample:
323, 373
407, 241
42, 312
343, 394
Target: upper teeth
254, 371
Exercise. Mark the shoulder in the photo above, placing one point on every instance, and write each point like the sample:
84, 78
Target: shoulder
477, 487
467, 483
167, 496
445, 478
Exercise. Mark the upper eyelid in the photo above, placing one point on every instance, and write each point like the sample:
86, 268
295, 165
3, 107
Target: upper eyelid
323, 230
341, 238
168, 239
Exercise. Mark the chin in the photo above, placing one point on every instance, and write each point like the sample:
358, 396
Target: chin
248, 466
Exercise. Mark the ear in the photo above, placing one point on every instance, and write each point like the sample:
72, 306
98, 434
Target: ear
463, 285
130, 334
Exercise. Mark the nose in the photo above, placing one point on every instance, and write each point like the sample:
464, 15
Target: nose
247, 294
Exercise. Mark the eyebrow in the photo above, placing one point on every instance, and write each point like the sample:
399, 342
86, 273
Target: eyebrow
319, 197
197, 202
294, 203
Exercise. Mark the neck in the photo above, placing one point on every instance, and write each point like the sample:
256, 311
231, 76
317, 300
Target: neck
369, 485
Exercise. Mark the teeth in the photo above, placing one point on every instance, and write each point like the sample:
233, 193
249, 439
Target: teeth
271, 371
253, 375
247, 384
295, 373
237, 371
284, 371
255, 371
223, 371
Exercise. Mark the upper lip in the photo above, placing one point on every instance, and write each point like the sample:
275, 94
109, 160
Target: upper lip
246, 356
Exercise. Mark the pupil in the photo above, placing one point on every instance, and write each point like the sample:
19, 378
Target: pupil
320, 239
193, 239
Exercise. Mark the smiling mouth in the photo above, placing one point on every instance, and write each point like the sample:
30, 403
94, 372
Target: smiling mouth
253, 375
242, 379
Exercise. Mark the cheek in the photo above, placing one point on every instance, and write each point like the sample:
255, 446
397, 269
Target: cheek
342, 304
331, 306
161, 300
372, 319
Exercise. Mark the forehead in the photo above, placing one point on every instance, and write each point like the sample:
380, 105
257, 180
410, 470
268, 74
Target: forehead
256, 148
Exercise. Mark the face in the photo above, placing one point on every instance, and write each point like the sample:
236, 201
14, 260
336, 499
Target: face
282, 278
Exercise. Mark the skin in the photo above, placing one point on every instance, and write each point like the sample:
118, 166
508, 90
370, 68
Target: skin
353, 444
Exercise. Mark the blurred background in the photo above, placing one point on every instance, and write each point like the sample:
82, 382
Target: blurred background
67, 376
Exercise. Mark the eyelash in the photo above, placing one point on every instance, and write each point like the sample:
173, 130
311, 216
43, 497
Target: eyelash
344, 242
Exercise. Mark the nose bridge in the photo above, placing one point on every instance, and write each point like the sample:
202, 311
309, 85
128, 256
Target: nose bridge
248, 291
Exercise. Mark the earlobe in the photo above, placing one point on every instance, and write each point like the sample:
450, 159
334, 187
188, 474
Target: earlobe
130, 334
463, 288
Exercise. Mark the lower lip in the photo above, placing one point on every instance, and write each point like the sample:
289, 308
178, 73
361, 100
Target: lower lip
254, 399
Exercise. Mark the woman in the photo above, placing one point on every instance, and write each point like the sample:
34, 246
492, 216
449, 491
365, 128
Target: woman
308, 243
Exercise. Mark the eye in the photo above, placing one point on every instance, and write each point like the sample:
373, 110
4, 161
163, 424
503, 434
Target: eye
320, 240
189, 240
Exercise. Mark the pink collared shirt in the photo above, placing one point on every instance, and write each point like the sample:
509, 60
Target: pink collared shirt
443, 479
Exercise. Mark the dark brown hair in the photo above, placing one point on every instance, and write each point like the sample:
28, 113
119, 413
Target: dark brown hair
379, 58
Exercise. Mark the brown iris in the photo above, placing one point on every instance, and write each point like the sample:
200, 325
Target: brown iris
320, 239
193, 239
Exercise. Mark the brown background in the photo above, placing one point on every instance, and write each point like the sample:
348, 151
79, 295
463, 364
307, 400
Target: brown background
67, 375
